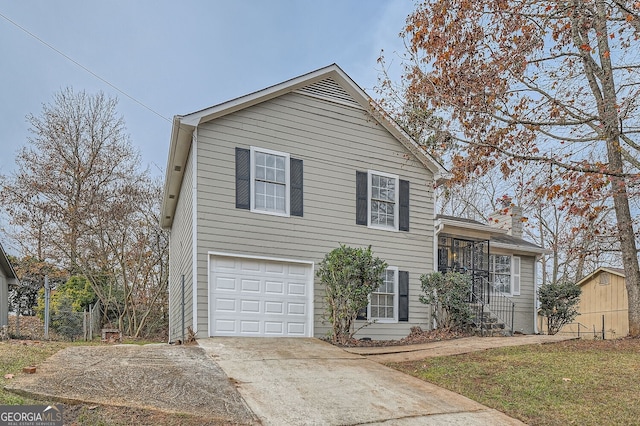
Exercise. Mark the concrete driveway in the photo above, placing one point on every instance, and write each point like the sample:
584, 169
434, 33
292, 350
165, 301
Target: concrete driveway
311, 382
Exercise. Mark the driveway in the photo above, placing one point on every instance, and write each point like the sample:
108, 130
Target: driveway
311, 382
266, 381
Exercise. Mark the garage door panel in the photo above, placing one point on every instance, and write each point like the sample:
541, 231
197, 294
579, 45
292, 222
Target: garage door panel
225, 327
228, 305
296, 329
273, 307
250, 306
298, 271
297, 289
224, 263
225, 283
275, 268
274, 287
253, 297
276, 328
250, 327
250, 285
296, 309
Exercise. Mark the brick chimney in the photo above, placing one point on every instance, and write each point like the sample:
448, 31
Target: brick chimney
508, 218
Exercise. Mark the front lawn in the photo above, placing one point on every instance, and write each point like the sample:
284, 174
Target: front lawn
581, 382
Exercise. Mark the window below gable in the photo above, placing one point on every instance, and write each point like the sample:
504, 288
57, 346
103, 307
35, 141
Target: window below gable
269, 182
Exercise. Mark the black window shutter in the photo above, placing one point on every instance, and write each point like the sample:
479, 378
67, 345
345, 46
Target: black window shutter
296, 194
362, 314
243, 178
403, 293
404, 205
361, 198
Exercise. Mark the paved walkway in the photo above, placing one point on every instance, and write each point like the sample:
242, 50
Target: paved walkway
390, 354
300, 381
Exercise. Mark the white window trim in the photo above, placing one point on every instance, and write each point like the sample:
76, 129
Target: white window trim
287, 201
396, 297
515, 278
396, 211
492, 273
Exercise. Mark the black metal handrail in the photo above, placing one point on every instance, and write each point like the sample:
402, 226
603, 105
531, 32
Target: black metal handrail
485, 298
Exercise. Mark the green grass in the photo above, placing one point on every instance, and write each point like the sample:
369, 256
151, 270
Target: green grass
576, 382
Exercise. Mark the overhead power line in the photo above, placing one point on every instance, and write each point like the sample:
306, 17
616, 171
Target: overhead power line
64, 55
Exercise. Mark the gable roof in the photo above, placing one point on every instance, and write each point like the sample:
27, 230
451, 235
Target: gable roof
615, 271
345, 91
498, 237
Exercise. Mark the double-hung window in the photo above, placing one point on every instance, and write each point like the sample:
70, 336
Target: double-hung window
269, 181
383, 306
504, 273
383, 200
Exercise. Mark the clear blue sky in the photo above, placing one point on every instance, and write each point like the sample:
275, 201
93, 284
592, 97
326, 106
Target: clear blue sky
177, 57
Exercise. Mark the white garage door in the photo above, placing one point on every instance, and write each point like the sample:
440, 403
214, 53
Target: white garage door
255, 297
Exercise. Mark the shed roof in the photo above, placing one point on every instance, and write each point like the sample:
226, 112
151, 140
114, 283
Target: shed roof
184, 126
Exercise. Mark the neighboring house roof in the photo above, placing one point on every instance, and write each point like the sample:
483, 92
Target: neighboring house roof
12, 278
615, 271
497, 237
183, 127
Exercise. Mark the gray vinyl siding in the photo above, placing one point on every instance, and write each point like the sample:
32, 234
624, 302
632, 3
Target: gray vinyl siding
523, 318
181, 258
334, 141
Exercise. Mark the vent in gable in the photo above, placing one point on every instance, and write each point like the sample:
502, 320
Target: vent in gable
330, 90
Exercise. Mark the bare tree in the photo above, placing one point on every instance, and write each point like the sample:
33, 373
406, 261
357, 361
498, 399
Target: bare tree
79, 198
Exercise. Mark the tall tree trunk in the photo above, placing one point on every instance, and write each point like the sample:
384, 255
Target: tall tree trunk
608, 111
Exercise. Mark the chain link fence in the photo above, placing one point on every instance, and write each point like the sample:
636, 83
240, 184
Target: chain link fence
64, 325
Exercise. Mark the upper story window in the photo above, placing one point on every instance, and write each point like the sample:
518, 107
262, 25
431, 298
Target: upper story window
504, 273
270, 181
383, 200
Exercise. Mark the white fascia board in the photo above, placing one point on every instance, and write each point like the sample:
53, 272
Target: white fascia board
519, 248
473, 226
179, 147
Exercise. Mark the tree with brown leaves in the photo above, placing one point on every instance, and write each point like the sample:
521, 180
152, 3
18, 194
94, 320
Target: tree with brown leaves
551, 82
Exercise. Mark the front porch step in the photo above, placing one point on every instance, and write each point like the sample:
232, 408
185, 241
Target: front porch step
487, 324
